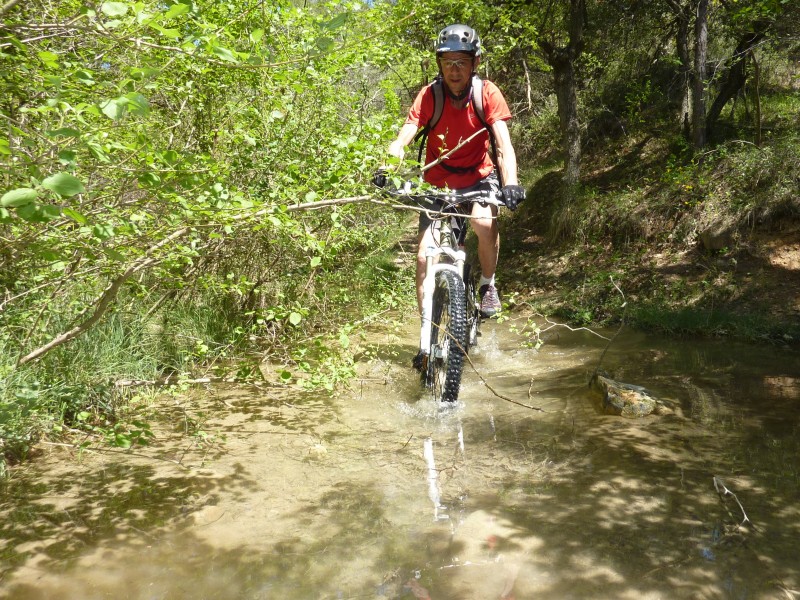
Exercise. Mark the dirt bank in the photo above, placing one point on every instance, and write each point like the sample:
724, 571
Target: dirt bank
749, 290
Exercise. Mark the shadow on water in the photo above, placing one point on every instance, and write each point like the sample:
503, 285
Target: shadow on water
382, 494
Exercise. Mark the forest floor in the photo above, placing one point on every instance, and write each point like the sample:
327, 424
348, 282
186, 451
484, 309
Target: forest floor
756, 281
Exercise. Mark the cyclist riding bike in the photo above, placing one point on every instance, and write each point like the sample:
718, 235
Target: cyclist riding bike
463, 166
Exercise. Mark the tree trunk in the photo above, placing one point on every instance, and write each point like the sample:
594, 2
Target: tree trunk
734, 79
562, 60
700, 53
757, 100
683, 19
567, 94
685, 75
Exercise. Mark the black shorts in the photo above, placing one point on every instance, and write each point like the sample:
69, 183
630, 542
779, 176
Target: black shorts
490, 182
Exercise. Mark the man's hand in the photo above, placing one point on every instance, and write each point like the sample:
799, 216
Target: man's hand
379, 178
512, 195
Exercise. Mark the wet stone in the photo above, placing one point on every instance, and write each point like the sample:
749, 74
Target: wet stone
622, 399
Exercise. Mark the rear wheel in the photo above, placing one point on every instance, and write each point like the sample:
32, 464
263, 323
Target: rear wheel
473, 308
448, 337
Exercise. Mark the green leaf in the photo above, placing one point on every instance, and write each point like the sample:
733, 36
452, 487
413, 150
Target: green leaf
324, 43
30, 213
168, 33
75, 216
103, 231
295, 318
64, 184
311, 196
49, 59
18, 197
98, 152
121, 440
5, 148
113, 109
83, 76
140, 73
50, 212
114, 9
54, 81
336, 21
256, 35
115, 255
64, 132
67, 157
5, 216
176, 10
16, 43
146, 179
315, 262
137, 104
224, 54
344, 341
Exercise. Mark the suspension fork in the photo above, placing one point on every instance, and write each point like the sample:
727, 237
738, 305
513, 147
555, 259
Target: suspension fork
433, 265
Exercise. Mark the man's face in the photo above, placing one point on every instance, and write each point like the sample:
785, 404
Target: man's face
456, 69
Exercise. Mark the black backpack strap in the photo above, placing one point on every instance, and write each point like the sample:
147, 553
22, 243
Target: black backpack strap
437, 89
477, 105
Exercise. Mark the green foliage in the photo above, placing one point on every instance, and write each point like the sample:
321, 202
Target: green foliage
156, 159
153, 156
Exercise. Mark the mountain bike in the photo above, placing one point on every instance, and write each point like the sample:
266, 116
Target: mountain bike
451, 317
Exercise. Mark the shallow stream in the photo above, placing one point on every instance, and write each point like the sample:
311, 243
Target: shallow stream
379, 493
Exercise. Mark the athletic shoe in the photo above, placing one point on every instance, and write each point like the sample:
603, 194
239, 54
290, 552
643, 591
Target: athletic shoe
490, 301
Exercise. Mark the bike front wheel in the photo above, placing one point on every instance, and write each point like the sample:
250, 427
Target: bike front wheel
448, 337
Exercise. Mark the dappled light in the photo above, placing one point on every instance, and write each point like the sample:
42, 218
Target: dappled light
378, 492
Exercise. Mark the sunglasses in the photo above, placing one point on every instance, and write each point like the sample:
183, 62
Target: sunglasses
456, 64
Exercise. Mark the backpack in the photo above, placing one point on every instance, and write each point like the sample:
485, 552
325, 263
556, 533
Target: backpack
476, 97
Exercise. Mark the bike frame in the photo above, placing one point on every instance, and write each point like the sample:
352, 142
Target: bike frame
442, 352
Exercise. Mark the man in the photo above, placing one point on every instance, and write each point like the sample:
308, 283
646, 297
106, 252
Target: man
458, 51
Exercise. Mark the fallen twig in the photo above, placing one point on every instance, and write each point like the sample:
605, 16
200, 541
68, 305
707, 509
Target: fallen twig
498, 395
723, 491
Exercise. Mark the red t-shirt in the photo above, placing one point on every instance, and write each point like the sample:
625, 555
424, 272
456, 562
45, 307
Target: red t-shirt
455, 125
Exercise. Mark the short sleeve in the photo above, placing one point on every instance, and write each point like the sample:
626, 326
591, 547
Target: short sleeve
494, 104
421, 111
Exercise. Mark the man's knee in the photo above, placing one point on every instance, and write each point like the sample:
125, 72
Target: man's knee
484, 228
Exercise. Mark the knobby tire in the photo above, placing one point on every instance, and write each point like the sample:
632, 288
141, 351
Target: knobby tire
473, 310
448, 337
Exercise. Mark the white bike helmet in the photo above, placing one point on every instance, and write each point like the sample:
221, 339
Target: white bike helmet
458, 38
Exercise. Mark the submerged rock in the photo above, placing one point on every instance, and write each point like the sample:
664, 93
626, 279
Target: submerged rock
622, 399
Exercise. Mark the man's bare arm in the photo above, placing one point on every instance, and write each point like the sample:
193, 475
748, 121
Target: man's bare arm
404, 138
505, 153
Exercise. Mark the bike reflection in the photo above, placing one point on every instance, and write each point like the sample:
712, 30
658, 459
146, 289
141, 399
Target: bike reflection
442, 512
476, 537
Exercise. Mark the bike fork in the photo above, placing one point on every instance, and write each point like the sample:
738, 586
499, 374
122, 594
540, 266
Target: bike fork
428, 287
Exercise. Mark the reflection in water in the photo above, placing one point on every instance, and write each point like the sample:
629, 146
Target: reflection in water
433, 481
330, 497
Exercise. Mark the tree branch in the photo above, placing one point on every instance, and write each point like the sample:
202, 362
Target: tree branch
104, 300
8, 6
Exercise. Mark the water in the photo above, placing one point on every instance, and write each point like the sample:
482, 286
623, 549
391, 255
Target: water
380, 493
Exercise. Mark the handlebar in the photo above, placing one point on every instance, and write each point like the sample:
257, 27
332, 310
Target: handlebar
446, 198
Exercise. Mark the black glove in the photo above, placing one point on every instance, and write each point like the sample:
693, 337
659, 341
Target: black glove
379, 178
512, 195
